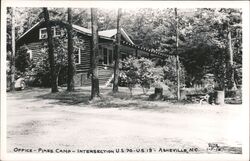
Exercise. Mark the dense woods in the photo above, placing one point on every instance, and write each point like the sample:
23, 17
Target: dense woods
196, 42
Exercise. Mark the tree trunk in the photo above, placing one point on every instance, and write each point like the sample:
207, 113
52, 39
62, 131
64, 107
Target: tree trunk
117, 53
177, 57
54, 87
94, 52
58, 70
13, 48
231, 61
71, 59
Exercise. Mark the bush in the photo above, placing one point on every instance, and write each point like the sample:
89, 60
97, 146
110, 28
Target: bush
130, 73
140, 71
23, 63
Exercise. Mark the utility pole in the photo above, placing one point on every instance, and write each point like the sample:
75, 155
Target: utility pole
177, 57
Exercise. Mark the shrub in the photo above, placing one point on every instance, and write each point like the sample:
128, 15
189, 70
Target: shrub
130, 73
141, 71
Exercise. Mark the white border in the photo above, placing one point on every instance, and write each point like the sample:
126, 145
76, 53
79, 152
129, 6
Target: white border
129, 4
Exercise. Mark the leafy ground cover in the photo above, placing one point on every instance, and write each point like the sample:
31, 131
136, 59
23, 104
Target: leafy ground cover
37, 118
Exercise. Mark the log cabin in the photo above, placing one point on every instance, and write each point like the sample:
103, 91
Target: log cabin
33, 40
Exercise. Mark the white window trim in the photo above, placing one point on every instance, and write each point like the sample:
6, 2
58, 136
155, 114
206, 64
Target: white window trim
54, 28
54, 32
30, 54
112, 58
108, 49
40, 33
79, 55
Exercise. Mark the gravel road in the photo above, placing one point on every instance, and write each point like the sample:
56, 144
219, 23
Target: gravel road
45, 124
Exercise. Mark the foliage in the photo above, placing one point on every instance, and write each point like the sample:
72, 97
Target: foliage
146, 73
141, 71
130, 73
41, 68
23, 60
203, 42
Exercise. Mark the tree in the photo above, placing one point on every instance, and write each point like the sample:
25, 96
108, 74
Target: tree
177, 57
197, 51
13, 50
146, 73
141, 71
117, 53
54, 85
71, 62
94, 54
130, 72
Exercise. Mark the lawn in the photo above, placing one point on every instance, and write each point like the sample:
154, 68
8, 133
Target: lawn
68, 120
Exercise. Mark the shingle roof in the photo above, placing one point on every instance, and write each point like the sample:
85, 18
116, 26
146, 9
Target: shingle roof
108, 33
82, 29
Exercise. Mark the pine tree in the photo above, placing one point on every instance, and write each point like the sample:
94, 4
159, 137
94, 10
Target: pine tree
13, 50
117, 53
94, 54
71, 62
54, 85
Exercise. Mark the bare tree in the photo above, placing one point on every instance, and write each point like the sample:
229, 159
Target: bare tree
54, 85
117, 53
71, 62
94, 53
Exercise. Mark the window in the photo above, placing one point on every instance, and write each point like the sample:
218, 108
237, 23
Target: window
100, 58
107, 56
43, 33
110, 56
56, 31
77, 53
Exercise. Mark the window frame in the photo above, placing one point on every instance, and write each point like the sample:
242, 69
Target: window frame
30, 54
53, 33
40, 33
79, 55
109, 52
103, 49
54, 28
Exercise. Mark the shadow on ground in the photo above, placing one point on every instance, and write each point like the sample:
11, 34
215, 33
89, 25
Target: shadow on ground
67, 98
108, 99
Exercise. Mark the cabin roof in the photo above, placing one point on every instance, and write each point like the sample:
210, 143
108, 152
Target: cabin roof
111, 33
106, 34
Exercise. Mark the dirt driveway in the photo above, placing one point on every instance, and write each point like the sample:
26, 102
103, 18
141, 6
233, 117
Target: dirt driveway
34, 121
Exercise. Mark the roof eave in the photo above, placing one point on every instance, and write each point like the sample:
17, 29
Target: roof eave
37, 24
